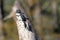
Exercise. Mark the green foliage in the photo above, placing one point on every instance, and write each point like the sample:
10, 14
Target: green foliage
8, 5
10, 30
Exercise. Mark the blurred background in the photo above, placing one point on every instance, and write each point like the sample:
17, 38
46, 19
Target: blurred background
44, 15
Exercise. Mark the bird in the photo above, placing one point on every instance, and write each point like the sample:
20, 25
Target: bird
24, 28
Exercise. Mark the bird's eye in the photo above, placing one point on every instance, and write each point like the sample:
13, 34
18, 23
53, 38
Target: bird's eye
18, 11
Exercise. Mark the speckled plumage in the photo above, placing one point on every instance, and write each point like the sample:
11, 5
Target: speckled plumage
23, 31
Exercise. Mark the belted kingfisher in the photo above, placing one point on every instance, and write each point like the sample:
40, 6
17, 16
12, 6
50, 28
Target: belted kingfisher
24, 26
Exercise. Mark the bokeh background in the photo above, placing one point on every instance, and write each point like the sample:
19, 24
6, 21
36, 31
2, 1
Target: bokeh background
44, 15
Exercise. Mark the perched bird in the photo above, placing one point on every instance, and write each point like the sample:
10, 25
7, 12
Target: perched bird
24, 27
